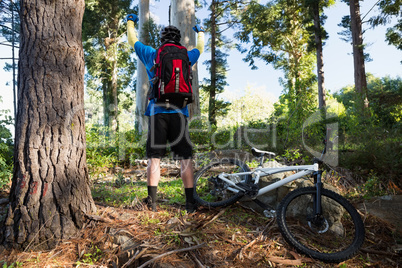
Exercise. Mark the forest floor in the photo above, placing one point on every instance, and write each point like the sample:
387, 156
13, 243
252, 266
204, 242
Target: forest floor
132, 236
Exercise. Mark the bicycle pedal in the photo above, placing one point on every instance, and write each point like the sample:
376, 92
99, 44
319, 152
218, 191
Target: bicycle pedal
269, 213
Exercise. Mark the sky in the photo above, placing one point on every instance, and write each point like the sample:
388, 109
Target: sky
338, 61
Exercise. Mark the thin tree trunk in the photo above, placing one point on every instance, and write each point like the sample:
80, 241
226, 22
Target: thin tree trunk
112, 59
50, 192
142, 77
106, 102
212, 89
110, 82
358, 55
319, 53
13, 56
183, 17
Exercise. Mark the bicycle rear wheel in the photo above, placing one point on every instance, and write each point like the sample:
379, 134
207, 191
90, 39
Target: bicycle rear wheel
334, 236
211, 191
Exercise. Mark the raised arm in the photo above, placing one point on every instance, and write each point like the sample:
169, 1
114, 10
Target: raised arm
131, 32
200, 37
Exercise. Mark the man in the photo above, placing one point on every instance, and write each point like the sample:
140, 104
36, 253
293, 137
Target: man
166, 125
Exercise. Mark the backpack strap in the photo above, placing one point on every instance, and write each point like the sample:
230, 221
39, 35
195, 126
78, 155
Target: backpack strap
156, 65
185, 102
177, 79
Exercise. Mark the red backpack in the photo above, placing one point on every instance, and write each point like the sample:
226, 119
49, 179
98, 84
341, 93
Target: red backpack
173, 78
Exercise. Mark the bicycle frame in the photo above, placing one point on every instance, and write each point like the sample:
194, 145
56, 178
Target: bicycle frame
263, 172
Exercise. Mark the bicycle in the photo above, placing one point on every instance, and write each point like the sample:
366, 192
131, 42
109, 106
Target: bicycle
315, 221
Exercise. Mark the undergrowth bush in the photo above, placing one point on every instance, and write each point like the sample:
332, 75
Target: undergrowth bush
101, 150
6, 148
106, 150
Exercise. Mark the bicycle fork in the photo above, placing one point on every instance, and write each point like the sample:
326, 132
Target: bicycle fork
317, 197
317, 221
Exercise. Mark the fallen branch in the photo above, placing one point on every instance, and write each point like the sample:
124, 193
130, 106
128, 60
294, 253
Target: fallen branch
197, 261
284, 261
171, 252
97, 218
372, 251
246, 247
214, 218
135, 257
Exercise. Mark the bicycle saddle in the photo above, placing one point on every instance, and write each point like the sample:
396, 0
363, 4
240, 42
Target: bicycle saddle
260, 153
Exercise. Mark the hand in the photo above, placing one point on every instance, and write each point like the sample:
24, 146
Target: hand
197, 28
132, 17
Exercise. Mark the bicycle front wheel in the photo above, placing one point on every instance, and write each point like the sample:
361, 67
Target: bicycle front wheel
211, 191
334, 236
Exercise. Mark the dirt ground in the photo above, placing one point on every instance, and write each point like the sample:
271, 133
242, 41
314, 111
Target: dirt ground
387, 208
136, 237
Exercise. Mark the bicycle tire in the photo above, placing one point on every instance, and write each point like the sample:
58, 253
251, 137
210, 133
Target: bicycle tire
342, 239
210, 191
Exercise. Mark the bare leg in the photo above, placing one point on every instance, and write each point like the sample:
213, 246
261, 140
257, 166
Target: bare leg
187, 173
153, 171
153, 176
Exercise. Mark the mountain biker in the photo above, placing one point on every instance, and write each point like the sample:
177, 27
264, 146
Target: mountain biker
166, 125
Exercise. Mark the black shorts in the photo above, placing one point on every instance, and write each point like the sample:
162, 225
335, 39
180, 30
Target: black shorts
172, 128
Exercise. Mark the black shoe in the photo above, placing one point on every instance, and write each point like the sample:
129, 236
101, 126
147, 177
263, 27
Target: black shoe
150, 205
191, 207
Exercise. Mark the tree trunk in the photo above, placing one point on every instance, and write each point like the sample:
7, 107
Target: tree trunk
142, 77
358, 55
212, 88
183, 17
320, 61
111, 58
50, 192
12, 8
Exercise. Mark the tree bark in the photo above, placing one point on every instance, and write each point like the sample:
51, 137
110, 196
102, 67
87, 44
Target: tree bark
111, 63
50, 190
183, 17
319, 54
142, 76
212, 89
358, 55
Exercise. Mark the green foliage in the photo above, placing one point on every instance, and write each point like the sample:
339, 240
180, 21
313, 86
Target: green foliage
370, 144
105, 151
221, 16
279, 37
6, 147
12, 265
108, 60
151, 32
200, 133
389, 9
292, 154
124, 192
255, 105
101, 150
385, 95
119, 195
93, 255
374, 186
314, 11
173, 190
6, 27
